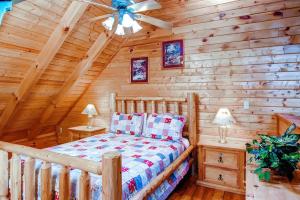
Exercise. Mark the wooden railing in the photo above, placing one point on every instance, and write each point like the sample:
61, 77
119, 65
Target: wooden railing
10, 169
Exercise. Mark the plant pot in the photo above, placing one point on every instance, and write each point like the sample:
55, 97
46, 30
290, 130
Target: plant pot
275, 177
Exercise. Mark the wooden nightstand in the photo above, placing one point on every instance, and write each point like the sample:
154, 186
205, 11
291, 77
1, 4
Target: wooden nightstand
80, 132
222, 166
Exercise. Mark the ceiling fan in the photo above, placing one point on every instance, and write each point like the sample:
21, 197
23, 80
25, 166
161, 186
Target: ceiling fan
127, 12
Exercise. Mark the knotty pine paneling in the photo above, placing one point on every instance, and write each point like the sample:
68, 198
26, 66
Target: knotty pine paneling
236, 50
23, 33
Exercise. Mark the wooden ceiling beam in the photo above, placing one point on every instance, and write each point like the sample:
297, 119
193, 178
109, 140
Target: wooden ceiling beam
46, 55
83, 66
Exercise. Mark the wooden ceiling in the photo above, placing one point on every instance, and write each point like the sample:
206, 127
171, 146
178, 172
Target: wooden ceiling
48, 60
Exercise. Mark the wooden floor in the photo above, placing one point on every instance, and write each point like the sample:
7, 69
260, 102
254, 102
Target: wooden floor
188, 190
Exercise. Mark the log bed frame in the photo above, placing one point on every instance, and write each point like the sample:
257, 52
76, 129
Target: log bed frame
109, 168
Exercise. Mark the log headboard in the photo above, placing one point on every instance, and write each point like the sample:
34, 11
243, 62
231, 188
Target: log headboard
183, 105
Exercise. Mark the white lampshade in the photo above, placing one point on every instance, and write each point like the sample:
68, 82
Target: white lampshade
127, 21
90, 110
120, 30
224, 118
136, 27
108, 23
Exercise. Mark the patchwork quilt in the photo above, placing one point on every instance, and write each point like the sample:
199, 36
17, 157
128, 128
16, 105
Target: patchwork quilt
142, 160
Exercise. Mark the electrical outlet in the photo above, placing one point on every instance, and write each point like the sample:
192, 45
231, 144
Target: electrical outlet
246, 104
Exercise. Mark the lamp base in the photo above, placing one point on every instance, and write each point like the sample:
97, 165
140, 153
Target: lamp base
90, 123
222, 141
222, 135
89, 127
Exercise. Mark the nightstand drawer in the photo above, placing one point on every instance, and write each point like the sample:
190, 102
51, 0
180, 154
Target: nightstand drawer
221, 176
222, 158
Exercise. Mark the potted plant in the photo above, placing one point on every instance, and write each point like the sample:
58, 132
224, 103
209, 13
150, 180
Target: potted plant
275, 155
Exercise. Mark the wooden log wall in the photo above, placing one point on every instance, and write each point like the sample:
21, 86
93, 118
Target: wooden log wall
236, 50
23, 34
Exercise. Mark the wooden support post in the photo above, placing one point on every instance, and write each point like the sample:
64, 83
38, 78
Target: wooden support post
46, 193
164, 106
142, 106
3, 175
15, 176
123, 106
29, 179
64, 183
153, 107
84, 186
111, 176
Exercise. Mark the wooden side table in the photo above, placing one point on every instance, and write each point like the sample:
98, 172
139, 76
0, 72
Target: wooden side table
222, 166
80, 132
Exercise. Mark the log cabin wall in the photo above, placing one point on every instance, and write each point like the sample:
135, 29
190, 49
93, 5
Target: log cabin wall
235, 50
23, 34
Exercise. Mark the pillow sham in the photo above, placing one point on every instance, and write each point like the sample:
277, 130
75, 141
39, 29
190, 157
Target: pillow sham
131, 124
165, 126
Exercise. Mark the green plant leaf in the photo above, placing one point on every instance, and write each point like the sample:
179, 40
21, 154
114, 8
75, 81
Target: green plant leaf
267, 176
258, 170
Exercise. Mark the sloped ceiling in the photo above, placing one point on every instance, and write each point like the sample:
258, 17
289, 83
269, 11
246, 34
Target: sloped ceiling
23, 34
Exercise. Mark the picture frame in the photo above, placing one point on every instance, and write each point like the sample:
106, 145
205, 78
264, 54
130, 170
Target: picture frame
173, 54
139, 70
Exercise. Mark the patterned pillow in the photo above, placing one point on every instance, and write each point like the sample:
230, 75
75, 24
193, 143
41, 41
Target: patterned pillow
131, 124
165, 126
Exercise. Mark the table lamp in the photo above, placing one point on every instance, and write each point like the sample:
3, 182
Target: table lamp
90, 111
224, 119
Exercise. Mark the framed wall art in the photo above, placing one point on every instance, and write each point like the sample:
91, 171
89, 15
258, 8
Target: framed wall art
139, 70
173, 54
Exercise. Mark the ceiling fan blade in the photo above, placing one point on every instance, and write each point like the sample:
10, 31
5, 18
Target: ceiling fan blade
99, 4
144, 6
154, 21
16, 1
96, 18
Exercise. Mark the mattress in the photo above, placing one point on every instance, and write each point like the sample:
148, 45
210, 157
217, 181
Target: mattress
142, 160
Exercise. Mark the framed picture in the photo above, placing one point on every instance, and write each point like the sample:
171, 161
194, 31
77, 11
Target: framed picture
139, 70
173, 54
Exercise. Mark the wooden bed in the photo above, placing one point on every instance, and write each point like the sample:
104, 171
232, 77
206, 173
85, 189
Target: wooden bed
109, 168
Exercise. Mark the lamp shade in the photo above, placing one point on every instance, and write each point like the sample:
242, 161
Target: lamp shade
224, 117
90, 110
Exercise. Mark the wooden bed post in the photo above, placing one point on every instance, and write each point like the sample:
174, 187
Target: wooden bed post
113, 103
113, 106
192, 116
3, 175
111, 176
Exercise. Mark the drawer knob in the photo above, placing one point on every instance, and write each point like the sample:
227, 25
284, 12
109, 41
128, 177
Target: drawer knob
220, 177
220, 160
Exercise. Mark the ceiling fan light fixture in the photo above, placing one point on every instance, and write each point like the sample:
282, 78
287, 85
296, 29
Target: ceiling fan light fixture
136, 27
108, 23
120, 30
127, 21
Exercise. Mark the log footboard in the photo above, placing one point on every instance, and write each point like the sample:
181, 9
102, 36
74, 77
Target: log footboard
10, 169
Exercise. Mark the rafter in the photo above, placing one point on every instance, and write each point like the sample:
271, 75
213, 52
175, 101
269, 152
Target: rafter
56, 40
90, 84
86, 63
